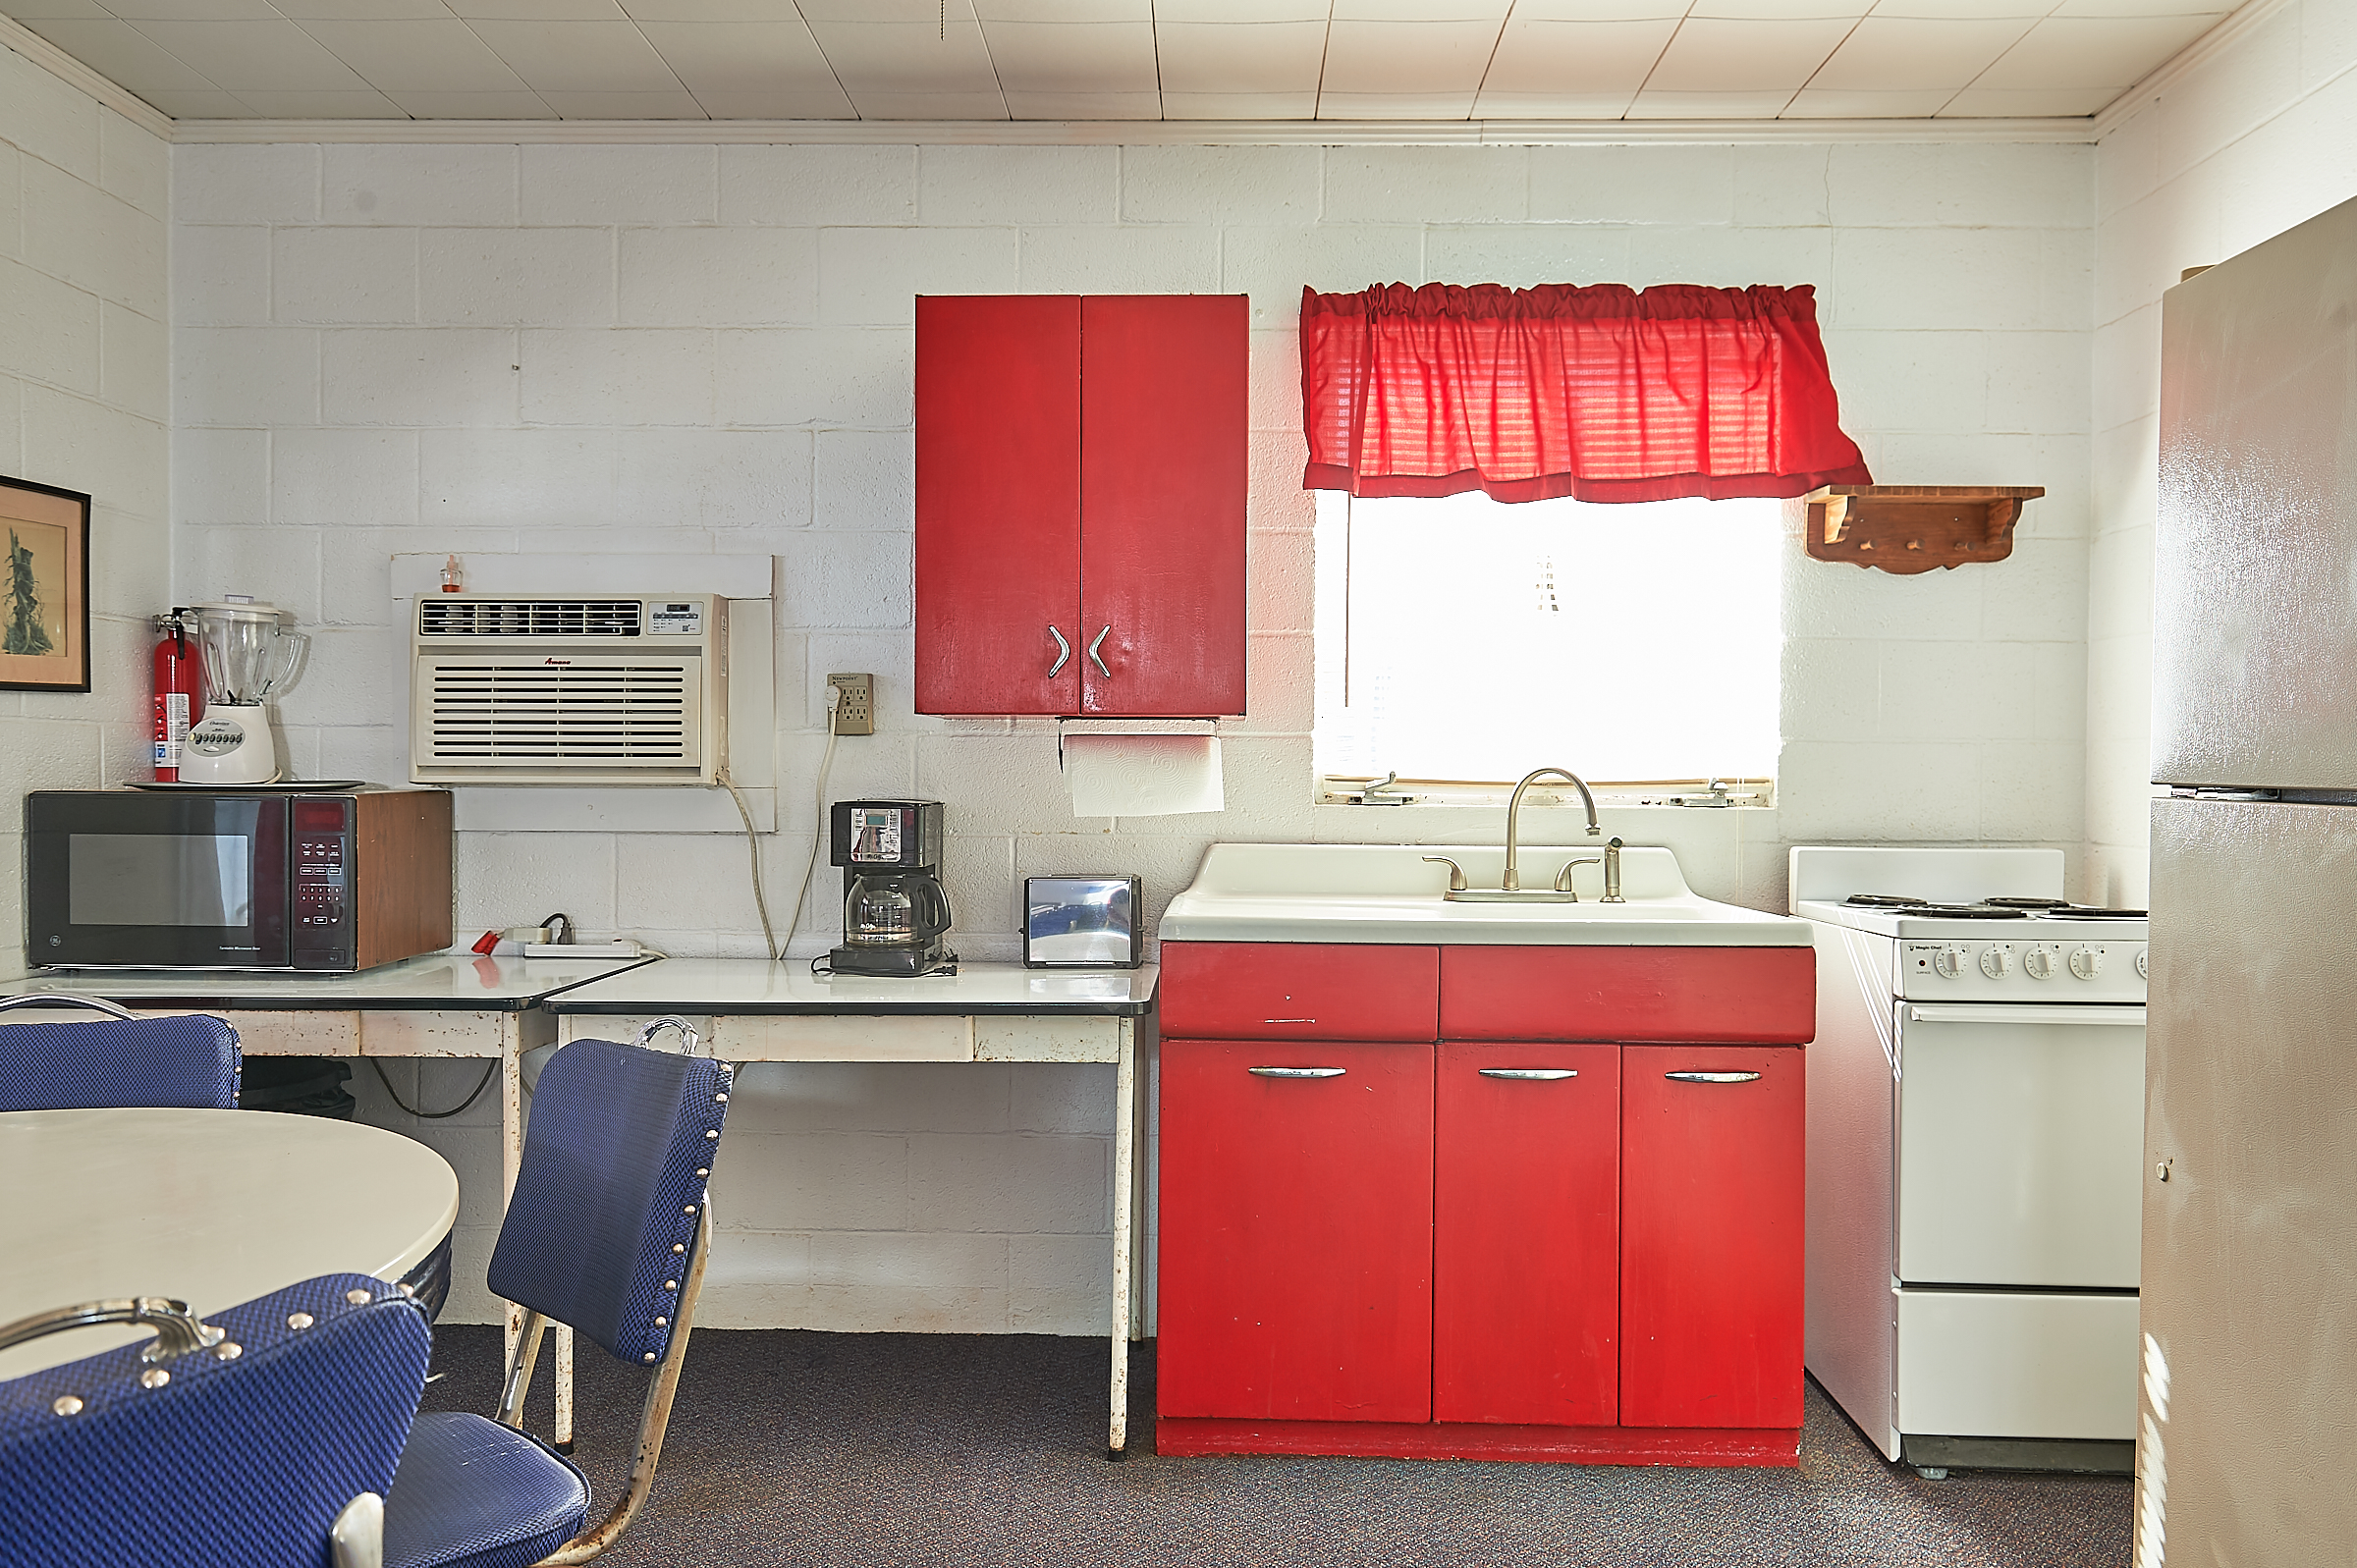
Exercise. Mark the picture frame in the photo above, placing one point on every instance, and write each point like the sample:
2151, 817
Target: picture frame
44, 587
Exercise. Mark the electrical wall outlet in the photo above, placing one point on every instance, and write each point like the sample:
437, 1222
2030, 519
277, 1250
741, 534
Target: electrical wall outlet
855, 709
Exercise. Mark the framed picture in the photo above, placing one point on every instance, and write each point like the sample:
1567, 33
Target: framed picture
44, 588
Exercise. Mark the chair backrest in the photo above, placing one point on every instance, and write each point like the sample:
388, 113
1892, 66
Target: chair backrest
244, 1459
190, 1061
611, 1191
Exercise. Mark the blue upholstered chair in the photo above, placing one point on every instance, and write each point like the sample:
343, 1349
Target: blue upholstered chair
122, 1061
251, 1442
608, 1231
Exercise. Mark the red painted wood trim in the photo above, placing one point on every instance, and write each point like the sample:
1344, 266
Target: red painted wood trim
1383, 1440
1299, 991
1765, 996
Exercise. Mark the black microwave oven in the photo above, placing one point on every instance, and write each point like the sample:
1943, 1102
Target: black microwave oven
246, 879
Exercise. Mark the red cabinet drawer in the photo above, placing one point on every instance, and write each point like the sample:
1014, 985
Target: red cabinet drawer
1711, 1237
1760, 995
1296, 1231
1299, 991
1527, 1235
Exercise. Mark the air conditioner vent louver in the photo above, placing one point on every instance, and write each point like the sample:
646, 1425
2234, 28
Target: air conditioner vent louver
529, 618
516, 713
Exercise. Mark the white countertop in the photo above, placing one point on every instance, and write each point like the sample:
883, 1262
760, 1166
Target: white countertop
439, 982
718, 987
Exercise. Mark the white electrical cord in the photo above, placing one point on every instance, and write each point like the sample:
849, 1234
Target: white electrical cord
752, 850
818, 795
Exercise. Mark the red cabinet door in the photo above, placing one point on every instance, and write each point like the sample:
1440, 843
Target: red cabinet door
1526, 1245
1162, 502
1711, 1236
998, 503
1296, 1231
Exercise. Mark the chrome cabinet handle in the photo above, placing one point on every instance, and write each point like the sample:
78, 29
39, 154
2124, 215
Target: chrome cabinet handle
1098, 656
1534, 1074
1064, 651
1710, 1077
1294, 1072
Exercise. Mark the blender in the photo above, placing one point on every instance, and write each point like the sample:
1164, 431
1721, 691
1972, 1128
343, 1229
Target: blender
249, 654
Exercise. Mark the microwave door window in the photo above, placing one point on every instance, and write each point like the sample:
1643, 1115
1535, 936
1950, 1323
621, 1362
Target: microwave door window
130, 879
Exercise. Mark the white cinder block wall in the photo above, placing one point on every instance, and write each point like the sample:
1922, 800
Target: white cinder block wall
84, 399
2258, 137
698, 348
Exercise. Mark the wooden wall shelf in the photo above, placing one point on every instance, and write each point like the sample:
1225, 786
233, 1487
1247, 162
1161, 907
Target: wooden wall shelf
1911, 528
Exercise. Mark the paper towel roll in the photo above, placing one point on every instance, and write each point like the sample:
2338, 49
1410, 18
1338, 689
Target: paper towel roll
1142, 776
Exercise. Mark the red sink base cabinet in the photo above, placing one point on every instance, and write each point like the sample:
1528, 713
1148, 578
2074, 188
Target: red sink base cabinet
1535, 1203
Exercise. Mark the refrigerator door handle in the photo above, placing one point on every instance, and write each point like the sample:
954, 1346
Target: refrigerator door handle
1990, 1013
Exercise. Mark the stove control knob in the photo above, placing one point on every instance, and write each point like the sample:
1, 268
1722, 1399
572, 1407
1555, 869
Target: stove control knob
1949, 963
1997, 962
2141, 972
2039, 963
2086, 962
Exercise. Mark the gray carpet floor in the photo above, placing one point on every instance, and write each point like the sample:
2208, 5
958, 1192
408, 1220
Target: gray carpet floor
852, 1450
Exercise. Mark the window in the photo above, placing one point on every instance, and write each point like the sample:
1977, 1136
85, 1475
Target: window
1462, 638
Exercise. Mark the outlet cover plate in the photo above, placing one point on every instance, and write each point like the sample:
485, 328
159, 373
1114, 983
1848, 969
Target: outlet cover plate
855, 711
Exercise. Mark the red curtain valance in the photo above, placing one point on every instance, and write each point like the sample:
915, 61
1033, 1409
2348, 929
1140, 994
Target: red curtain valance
1598, 391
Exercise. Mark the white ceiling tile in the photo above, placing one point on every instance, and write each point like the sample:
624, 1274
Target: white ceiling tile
202, 105
1598, 10
2215, 10
1975, 104
2092, 51
778, 58
1492, 105
1782, 10
1491, 12
122, 54
1897, 54
763, 11
1167, 11
578, 56
886, 105
1965, 10
1707, 105
192, 11
991, 11
734, 105
1711, 55
1231, 58
365, 104
59, 11
538, 9
471, 105
897, 57
1396, 105
1819, 104
364, 10
419, 56
598, 105
1238, 105
1083, 105
1577, 57
1072, 57
1406, 57
925, 13
268, 56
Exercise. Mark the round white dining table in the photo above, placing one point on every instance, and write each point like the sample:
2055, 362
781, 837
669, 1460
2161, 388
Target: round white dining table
212, 1208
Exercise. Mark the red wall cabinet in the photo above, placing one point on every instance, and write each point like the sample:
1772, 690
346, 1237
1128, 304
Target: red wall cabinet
1080, 482
1711, 1236
1296, 1230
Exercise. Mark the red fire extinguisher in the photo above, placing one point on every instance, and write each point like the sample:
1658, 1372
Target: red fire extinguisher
178, 693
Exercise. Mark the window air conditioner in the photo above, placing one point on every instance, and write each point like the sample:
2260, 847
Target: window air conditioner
579, 691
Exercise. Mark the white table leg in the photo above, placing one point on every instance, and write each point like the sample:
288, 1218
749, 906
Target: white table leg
564, 1388
1125, 1159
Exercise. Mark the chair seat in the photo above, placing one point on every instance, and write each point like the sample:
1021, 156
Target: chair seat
472, 1493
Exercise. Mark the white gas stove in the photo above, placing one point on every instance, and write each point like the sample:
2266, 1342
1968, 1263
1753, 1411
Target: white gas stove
1975, 1149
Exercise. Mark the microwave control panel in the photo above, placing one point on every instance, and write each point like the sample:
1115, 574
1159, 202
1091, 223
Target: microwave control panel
319, 849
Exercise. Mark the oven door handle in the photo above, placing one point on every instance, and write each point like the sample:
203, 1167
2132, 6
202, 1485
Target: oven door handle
2128, 1013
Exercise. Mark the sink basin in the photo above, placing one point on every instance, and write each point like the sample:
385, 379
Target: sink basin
1387, 894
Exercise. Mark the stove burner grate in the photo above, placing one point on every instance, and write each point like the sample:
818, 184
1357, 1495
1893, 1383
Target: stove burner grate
1883, 900
2081, 912
2032, 904
1964, 911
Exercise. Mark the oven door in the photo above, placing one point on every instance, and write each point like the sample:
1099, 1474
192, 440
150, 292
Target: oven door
2021, 1145
124, 879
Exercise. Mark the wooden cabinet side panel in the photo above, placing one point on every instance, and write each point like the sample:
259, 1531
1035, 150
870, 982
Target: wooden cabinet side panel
402, 874
1163, 485
1711, 1237
998, 502
1527, 1243
1295, 1232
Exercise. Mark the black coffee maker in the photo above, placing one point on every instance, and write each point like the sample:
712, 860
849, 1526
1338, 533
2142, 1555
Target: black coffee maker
894, 908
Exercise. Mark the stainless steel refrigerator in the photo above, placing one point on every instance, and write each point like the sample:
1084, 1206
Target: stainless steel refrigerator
2247, 1440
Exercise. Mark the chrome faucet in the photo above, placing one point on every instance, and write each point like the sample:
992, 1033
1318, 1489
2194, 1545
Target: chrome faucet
1511, 882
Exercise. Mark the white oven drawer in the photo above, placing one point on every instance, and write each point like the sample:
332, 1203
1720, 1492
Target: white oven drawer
2020, 1134
1975, 1364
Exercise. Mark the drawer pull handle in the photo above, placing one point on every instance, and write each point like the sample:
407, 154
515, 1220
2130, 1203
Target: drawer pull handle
1711, 1077
1097, 658
1294, 1072
1288, 1020
1535, 1074
1064, 651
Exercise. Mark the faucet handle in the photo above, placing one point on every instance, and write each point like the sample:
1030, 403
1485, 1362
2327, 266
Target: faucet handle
1562, 877
1456, 873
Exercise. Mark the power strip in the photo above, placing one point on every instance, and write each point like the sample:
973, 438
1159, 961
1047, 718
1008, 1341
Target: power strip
855, 709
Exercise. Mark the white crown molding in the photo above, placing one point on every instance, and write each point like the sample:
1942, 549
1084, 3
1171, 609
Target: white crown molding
1139, 132
2227, 35
72, 73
